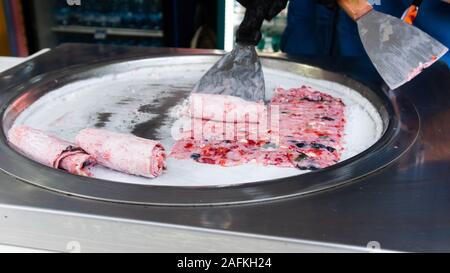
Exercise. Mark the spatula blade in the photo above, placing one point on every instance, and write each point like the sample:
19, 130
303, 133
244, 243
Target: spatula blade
398, 50
238, 73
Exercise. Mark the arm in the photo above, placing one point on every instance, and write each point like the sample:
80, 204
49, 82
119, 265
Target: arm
256, 11
259, 10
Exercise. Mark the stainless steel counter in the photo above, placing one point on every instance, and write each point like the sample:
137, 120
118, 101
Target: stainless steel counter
403, 206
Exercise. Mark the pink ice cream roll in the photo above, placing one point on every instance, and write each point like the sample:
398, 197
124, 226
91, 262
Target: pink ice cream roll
50, 150
124, 153
224, 108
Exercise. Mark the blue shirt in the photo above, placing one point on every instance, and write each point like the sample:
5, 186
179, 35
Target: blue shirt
313, 29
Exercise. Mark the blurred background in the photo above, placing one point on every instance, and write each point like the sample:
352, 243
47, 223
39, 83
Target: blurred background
26, 26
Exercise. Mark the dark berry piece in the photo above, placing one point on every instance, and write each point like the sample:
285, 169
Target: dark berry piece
318, 146
301, 157
300, 145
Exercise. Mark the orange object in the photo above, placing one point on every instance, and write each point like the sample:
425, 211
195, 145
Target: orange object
411, 14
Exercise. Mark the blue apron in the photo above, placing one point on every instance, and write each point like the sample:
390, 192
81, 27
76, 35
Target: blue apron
316, 30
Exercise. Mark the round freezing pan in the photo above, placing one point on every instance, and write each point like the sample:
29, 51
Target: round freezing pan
144, 100
139, 97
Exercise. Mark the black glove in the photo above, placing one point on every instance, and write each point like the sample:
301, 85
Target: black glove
249, 31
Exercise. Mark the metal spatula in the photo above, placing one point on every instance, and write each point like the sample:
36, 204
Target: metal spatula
398, 50
238, 73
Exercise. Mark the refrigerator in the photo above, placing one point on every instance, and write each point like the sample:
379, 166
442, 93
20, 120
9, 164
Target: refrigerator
148, 23
117, 22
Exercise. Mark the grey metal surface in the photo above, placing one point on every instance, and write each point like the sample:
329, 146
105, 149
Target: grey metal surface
77, 233
398, 50
403, 206
238, 73
394, 143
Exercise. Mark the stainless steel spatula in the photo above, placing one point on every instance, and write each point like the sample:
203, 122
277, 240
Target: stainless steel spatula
238, 73
399, 51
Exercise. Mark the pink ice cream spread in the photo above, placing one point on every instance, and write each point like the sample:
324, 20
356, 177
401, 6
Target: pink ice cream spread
123, 152
50, 150
309, 134
217, 130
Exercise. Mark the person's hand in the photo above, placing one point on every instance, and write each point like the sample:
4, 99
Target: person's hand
256, 11
270, 8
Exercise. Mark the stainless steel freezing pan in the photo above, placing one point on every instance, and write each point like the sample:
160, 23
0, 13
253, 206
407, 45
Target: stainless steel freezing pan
138, 95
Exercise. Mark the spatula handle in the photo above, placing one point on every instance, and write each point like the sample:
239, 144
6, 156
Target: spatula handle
355, 8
